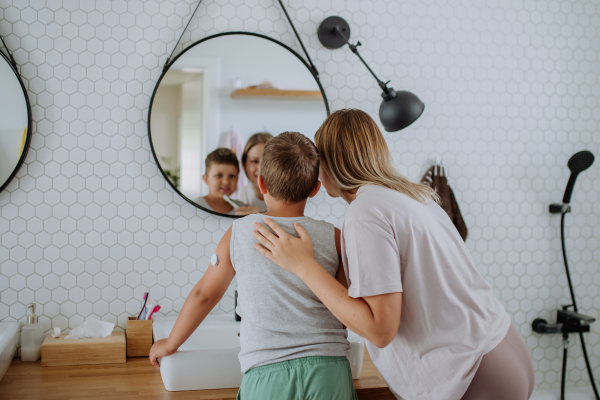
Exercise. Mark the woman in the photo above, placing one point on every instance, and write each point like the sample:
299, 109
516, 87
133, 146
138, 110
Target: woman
250, 194
433, 327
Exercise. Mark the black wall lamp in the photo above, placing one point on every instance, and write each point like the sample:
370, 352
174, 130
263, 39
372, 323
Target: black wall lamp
398, 109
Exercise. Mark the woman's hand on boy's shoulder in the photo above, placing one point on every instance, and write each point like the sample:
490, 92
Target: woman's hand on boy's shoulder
160, 349
290, 253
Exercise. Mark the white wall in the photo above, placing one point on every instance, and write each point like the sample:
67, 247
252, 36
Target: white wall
511, 92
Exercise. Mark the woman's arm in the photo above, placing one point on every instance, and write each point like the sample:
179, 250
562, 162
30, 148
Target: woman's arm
202, 299
376, 318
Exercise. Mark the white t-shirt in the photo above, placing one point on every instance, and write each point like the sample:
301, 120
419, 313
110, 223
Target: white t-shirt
247, 196
450, 317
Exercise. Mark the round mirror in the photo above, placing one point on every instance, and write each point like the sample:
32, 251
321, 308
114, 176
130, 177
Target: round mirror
216, 104
15, 122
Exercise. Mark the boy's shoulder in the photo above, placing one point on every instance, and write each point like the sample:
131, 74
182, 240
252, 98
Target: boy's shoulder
248, 218
320, 222
307, 222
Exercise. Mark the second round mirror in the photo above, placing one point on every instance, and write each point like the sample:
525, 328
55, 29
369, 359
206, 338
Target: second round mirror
15, 121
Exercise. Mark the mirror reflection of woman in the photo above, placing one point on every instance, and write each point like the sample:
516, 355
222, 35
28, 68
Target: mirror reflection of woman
251, 157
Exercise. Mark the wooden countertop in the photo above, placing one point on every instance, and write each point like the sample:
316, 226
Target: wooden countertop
136, 379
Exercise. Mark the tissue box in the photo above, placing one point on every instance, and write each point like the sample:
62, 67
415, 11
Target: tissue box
139, 337
108, 350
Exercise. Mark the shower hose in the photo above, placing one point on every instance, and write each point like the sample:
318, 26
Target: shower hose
583, 347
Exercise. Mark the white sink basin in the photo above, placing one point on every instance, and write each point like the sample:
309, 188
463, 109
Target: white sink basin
9, 339
209, 358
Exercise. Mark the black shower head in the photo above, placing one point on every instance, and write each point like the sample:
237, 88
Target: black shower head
578, 162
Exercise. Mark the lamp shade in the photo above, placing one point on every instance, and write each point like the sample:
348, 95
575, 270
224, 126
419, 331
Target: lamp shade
399, 111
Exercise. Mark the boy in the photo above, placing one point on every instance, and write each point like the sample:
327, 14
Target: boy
292, 347
221, 175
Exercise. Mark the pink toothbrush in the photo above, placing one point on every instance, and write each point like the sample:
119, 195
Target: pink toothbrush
155, 309
144, 305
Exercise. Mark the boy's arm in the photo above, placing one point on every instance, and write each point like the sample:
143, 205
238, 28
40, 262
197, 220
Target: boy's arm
204, 296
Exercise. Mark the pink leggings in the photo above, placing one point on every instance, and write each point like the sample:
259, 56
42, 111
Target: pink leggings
505, 373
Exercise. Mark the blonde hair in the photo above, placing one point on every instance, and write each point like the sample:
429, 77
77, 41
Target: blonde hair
354, 152
290, 167
257, 138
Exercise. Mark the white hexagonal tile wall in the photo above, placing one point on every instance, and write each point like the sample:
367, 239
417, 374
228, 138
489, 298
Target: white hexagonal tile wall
511, 91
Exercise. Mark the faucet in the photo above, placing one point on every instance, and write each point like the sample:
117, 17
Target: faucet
566, 322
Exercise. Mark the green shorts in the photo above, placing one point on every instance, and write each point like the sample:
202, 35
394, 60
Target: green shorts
308, 378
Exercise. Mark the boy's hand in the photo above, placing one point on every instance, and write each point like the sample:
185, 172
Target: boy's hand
290, 253
159, 349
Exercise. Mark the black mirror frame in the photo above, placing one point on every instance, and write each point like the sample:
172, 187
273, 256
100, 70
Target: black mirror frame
166, 69
29, 133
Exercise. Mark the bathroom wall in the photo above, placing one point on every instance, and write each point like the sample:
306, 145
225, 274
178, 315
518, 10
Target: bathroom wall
271, 63
511, 91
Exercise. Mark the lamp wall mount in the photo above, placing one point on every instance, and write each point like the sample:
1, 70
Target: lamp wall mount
328, 34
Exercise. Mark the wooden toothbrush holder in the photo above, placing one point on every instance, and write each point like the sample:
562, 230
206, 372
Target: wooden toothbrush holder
139, 337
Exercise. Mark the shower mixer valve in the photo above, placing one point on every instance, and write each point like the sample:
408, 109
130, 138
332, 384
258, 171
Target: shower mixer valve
566, 322
559, 208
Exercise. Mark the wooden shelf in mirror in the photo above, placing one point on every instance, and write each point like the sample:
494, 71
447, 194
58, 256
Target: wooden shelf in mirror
276, 94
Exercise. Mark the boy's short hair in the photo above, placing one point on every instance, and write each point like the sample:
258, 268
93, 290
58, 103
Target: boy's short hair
290, 167
221, 155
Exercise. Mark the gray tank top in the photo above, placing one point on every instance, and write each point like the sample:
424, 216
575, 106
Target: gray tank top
282, 319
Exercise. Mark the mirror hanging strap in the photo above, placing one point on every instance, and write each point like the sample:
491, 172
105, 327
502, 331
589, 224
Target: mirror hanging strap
9, 53
178, 40
312, 67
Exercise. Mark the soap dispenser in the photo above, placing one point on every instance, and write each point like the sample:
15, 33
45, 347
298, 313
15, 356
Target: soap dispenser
32, 335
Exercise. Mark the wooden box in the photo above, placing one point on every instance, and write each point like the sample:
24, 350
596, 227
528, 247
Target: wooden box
108, 350
139, 337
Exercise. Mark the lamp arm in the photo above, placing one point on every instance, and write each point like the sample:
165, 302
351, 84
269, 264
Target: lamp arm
353, 48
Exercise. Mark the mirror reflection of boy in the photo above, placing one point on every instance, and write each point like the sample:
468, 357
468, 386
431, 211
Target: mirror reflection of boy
292, 346
221, 175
